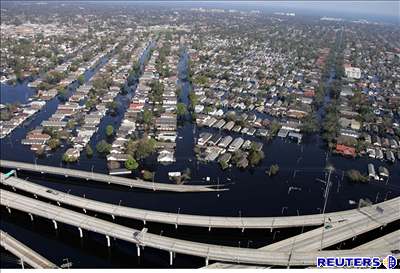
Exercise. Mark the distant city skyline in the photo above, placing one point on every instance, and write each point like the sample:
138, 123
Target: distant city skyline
376, 8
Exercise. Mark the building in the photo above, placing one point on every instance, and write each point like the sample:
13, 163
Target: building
352, 72
345, 150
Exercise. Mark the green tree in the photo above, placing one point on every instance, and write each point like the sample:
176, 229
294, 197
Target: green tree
274, 127
255, 157
103, 147
53, 143
131, 164
148, 175
181, 109
147, 116
81, 79
273, 169
89, 150
310, 124
356, 176
109, 130
145, 148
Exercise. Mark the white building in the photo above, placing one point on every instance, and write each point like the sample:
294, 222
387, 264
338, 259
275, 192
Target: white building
353, 72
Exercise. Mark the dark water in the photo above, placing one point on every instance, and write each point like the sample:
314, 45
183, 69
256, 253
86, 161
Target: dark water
251, 193
18, 93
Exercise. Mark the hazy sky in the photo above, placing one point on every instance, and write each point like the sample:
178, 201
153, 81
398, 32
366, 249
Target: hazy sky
391, 8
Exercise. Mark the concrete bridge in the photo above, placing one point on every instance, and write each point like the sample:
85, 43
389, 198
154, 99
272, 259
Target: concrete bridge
210, 252
122, 181
24, 253
187, 219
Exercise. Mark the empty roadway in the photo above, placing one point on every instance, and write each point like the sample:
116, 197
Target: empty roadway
23, 252
186, 219
208, 251
122, 181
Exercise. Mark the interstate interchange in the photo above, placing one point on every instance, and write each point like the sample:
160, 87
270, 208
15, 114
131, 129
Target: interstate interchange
299, 250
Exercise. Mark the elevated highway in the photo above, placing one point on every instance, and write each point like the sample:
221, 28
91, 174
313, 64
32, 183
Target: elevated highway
187, 219
389, 241
142, 238
122, 181
23, 252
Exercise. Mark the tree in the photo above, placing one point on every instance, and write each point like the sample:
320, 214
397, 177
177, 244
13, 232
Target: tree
53, 143
145, 148
68, 159
109, 130
193, 99
255, 157
147, 175
274, 127
273, 169
181, 109
103, 147
310, 124
89, 150
147, 116
223, 164
81, 79
131, 164
356, 176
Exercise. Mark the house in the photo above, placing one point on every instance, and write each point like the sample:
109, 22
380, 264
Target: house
118, 157
166, 136
225, 142
229, 125
72, 154
215, 139
212, 153
236, 144
296, 136
345, 150
204, 138
346, 91
371, 171
283, 133
166, 156
225, 157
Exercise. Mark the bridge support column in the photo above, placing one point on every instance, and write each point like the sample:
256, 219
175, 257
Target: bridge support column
171, 257
176, 226
112, 216
9, 210
207, 261
271, 230
242, 230
84, 210
35, 196
14, 189
138, 250
144, 222
30, 215
108, 241
80, 232
55, 224
354, 238
58, 203
22, 264
209, 228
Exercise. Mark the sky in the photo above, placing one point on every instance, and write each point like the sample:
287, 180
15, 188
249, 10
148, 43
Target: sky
389, 8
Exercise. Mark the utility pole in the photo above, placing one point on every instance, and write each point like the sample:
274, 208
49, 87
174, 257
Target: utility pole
326, 195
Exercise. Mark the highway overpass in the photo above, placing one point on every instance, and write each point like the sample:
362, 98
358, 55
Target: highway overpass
99, 177
24, 253
187, 219
208, 251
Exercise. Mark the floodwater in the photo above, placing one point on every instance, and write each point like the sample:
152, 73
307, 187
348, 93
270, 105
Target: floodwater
297, 189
